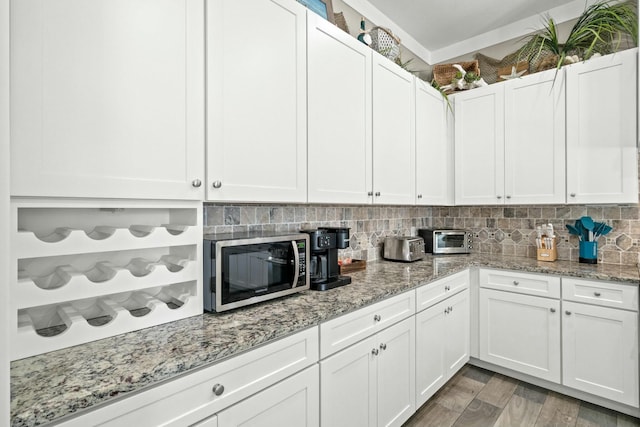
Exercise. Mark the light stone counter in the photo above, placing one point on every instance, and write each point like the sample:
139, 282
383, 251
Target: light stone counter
52, 385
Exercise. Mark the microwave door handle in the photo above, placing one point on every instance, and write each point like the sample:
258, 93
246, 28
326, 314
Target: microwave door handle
296, 263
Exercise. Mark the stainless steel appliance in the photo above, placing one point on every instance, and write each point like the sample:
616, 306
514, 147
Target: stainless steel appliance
324, 271
243, 269
403, 248
446, 241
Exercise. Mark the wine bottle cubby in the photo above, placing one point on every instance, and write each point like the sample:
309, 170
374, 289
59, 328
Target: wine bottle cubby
86, 270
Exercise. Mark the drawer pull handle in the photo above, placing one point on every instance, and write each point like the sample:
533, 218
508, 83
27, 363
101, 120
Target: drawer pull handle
383, 346
218, 389
377, 318
515, 282
568, 313
374, 351
597, 294
553, 310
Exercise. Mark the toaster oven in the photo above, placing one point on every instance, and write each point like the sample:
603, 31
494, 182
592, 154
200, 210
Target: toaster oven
446, 241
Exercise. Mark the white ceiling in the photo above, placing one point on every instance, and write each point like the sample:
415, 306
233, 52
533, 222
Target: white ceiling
437, 30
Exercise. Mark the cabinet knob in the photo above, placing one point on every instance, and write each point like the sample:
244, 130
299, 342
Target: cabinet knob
217, 184
450, 309
446, 310
196, 183
515, 282
568, 313
553, 310
499, 197
374, 351
447, 288
377, 194
572, 194
377, 318
419, 196
597, 294
370, 193
383, 346
508, 197
218, 389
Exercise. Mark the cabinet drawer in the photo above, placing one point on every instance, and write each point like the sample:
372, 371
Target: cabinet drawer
339, 333
606, 294
523, 283
436, 291
190, 398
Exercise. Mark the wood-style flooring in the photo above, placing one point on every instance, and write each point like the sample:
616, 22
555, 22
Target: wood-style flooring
475, 397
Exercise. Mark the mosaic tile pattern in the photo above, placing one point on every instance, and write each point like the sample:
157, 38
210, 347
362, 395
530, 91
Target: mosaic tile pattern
510, 230
500, 230
369, 224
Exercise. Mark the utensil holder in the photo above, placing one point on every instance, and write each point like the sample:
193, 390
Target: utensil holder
545, 254
588, 252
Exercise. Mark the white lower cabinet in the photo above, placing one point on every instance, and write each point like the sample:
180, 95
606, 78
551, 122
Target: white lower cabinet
372, 382
293, 402
442, 344
600, 351
597, 352
520, 332
269, 382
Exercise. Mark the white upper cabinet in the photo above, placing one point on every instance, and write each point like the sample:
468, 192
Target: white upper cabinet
534, 137
510, 142
601, 130
479, 146
256, 101
434, 147
107, 98
339, 118
394, 178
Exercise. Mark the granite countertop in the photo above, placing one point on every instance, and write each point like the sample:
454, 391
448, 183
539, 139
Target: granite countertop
52, 385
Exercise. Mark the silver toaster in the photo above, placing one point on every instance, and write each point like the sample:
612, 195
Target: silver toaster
403, 248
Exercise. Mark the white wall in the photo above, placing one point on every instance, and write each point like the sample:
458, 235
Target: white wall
4, 212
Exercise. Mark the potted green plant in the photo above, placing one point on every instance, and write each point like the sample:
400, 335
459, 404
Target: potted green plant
600, 29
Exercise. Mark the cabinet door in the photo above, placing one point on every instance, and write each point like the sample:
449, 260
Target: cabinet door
396, 380
431, 335
479, 146
107, 98
394, 178
458, 339
293, 402
339, 103
256, 98
535, 139
601, 130
348, 386
434, 150
521, 332
600, 351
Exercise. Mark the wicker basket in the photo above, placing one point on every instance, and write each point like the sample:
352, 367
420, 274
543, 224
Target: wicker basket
444, 73
385, 43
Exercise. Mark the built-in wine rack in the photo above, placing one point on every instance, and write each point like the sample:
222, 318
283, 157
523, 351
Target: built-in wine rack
87, 270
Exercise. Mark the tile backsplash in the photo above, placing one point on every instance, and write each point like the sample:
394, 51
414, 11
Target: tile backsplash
369, 224
508, 230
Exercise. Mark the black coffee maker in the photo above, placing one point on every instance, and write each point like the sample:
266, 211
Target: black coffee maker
324, 271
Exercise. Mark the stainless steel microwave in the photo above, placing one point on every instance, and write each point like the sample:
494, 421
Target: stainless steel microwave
446, 241
243, 269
